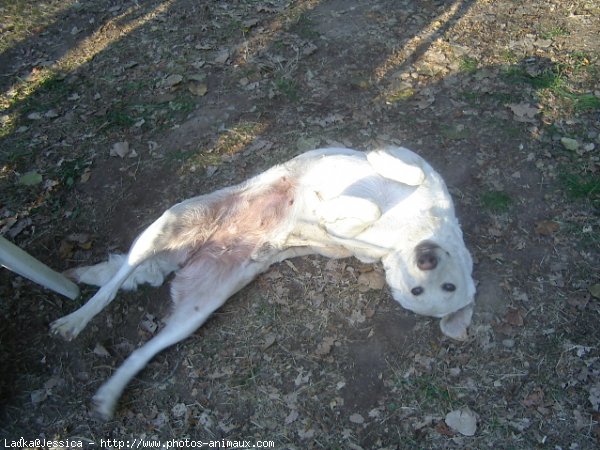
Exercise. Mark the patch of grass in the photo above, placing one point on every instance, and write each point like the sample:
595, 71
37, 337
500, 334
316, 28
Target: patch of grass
180, 155
25, 18
558, 81
509, 56
400, 95
468, 64
237, 138
583, 102
581, 186
496, 97
53, 88
18, 152
182, 104
305, 27
235, 27
267, 312
118, 116
550, 78
427, 391
70, 171
288, 88
553, 32
578, 61
495, 201
455, 132
43, 90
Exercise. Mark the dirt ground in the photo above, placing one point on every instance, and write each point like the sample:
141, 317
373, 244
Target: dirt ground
113, 110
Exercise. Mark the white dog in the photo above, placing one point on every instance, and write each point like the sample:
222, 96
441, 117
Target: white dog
387, 205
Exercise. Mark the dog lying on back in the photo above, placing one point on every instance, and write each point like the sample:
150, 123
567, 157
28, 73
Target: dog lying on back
387, 205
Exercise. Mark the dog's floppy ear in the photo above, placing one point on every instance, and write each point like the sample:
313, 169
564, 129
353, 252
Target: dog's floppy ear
398, 164
455, 325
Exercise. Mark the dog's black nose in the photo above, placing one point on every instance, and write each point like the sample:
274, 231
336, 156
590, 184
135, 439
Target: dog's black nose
426, 255
427, 261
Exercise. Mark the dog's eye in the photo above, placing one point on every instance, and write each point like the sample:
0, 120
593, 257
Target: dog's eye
448, 287
416, 291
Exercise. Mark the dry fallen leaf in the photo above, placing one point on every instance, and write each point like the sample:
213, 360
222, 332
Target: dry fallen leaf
179, 410
514, 317
325, 346
222, 57
307, 143
463, 421
39, 396
546, 227
292, 416
120, 149
51, 114
594, 396
65, 250
536, 398
357, 418
198, 89
443, 429
306, 434
524, 112
85, 176
269, 341
149, 323
371, 280
100, 350
302, 379
569, 144
30, 178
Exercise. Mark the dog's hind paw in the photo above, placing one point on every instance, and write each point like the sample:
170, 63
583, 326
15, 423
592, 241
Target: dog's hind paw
68, 327
104, 402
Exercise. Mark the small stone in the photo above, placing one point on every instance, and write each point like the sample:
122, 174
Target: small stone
508, 343
222, 57
51, 114
172, 80
357, 418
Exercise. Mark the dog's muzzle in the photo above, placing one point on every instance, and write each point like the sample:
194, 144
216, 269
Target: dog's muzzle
426, 256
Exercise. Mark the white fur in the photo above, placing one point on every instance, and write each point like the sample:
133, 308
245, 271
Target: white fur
388, 205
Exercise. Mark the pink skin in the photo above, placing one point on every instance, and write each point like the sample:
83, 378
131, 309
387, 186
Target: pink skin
214, 244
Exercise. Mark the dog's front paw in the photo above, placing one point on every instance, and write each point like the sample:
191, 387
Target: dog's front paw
104, 402
68, 327
398, 164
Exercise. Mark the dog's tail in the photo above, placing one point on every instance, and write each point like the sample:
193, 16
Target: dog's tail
152, 271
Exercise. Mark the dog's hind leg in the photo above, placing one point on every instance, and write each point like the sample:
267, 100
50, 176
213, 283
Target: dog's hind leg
179, 326
198, 290
151, 242
152, 271
346, 216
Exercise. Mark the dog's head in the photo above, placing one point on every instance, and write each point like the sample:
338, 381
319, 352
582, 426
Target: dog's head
434, 279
